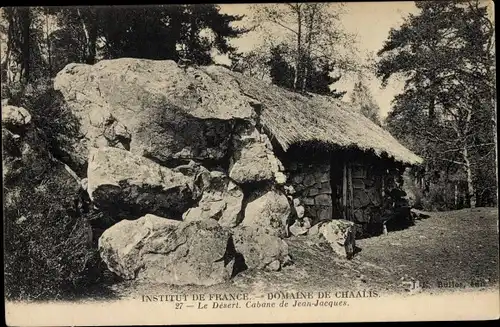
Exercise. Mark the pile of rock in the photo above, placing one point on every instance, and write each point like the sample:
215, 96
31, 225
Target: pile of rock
178, 159
187, 184
200, 252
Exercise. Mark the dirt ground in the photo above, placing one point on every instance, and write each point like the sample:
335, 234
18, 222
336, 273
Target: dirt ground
449, 251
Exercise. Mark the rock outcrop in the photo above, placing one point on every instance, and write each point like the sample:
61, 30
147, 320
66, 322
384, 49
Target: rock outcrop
301, 226
253, 159
339, 233
260, 250
122, 183
269, 213
221, 200
153, 108
15, 118
160, 250
120, 246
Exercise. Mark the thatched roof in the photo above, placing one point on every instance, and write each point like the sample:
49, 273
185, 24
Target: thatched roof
293, 118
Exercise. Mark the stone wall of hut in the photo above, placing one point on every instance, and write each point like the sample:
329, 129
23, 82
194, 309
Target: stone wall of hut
312, 189
367, 194
317, 195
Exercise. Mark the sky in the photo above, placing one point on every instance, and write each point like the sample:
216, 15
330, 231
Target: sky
371, 22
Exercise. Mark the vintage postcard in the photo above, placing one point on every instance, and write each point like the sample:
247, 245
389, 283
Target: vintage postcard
249, 163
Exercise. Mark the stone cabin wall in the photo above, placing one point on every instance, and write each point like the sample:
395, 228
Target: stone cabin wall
367, 187
314, 189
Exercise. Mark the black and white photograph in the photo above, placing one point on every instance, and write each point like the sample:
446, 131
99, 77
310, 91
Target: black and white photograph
249, 163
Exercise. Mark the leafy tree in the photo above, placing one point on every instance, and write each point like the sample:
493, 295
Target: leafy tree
79, 27
445, 55
313, 40
319, 81
204, 17
139, 32
167, 32
362, 98
84, 34
282, 73
22, 59
253, 63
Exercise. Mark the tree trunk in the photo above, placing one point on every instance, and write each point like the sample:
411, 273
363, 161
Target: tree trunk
470, 184
494, 103
26, 42
47, 40
92, 37
85, 32
351, 193
344, 190
304, 79
6, 65
192, 51
299, 48
310, 30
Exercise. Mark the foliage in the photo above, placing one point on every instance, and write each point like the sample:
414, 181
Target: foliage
254, 63
42, 40
446, 112
317, 81
50, 114
304, 43
23, 61
282, 73
362, 99
48, 249
151, 32
46, 239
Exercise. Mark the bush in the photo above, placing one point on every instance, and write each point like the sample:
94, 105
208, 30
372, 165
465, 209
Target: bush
440, 197
59, 127
47, 239
49, 249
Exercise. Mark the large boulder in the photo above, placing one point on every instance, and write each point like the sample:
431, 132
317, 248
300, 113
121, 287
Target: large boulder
199, 253
221, 200
269, 212
15, 117
154, 108
160, 250
253, 159
120, 246
124, 184
260, 250
340, 234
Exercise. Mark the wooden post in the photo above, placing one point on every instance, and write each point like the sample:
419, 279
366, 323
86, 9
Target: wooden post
456, 196
344, 190
351, 193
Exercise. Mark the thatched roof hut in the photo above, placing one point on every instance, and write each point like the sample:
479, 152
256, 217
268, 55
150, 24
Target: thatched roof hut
293, 118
